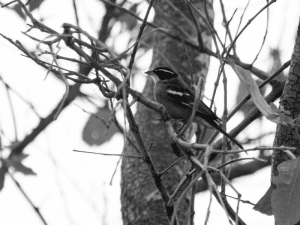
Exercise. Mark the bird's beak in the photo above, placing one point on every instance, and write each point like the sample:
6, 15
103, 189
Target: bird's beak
150, 72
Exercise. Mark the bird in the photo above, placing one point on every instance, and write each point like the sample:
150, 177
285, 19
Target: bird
178, 99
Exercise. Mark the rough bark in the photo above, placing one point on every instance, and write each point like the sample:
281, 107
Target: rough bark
141, 202
290, 101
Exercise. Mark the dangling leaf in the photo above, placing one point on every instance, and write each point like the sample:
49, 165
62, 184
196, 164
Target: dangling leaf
286, 196
264, 204
99, 128
270, 112
16, 163
33, 4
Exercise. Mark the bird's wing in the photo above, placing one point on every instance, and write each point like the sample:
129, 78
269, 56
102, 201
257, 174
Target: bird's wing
180, 94
184, 97
207, 114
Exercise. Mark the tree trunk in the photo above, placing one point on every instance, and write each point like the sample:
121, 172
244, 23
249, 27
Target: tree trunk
140, 199
290, 102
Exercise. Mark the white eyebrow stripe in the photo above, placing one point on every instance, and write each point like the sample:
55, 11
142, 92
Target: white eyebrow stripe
166, 71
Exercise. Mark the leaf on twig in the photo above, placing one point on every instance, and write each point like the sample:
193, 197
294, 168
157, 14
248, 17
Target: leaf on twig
32, 6
264, 204
16, 163
269, 111
99, 128
286, 197
129, 20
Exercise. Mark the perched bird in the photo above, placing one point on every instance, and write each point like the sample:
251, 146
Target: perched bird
178, 99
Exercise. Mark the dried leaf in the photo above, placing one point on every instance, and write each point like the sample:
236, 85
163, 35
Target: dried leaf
269, 112
264, 204
19, 167
32, 6
286, 197
16, 163
99, 128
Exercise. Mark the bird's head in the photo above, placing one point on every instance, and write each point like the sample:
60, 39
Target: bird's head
162, 73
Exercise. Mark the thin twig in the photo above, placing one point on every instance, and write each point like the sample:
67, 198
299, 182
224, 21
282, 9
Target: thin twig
76, 16
30, 105
282, 148
35, 208
170, 166
11, 107
242, 16
240, 159
108, 154
248, 23
66, 94
226, 25
264, 38
264, 83
146, 157
143, 26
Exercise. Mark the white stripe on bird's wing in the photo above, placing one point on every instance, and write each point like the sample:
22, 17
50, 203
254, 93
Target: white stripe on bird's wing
175, 92
191, 105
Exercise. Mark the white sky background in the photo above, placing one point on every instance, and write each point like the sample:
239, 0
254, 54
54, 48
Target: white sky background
73, 188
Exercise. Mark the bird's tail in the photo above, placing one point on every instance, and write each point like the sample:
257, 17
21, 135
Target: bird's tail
227, 135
